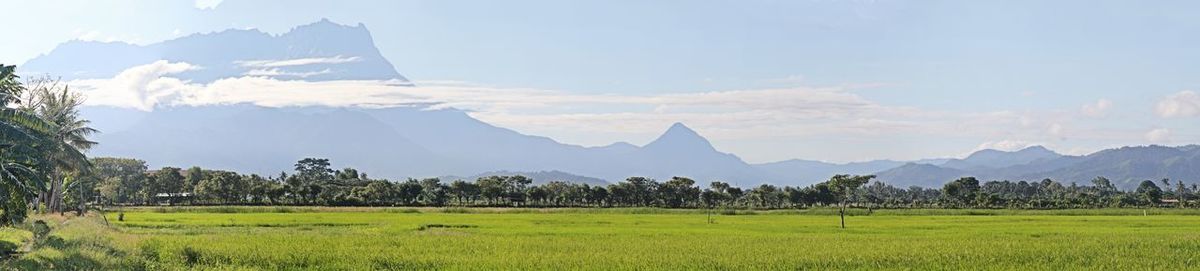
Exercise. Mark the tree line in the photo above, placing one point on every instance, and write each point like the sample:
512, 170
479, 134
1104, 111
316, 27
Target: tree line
125, 181
43, 168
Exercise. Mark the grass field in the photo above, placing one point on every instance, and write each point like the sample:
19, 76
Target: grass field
617, 239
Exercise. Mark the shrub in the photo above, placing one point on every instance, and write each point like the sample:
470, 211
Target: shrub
40, 229
446, 226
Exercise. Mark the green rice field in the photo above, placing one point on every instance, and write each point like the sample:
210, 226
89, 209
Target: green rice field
237, 238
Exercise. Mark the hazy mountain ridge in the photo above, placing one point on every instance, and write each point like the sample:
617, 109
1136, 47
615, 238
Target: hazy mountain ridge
991, 159
315, 52
539, 177
1128, 166
924, 175
817, 171
397, 143
1125, 167
411, 142
268, 140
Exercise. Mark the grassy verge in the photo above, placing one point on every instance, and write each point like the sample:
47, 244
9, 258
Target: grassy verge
13, 239
79, 243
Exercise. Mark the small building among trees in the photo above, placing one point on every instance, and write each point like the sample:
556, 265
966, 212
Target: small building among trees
172, 198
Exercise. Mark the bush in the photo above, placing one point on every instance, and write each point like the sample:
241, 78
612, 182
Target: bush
40, 229
445, 226
190, 255
403, 211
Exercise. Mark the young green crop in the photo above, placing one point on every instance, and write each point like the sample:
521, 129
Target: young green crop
364, 239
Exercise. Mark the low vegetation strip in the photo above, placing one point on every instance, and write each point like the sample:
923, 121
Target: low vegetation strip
721, 211
618, 239
445, 226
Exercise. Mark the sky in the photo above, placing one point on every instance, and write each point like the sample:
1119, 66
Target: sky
766, 80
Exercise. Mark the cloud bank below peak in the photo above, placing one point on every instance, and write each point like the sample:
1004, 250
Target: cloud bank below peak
585, 119
207, 4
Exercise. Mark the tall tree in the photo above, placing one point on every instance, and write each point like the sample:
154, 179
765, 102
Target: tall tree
166, 180
844, 187
1149, 193
22, 162
24, 141
222, 186
464, 191
1181, 193
433, 192
10, 85
122, 179
641, 190
679, 192
55, 103
312, 175
192, 178
961, 191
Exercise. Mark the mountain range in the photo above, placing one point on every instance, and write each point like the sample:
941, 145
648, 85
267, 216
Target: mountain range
1125, 166
417, 141
315, 52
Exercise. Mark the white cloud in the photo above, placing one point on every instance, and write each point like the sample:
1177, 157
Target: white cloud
736, 114
141, 87
1079, 151
1098, 109
1006, 145
89, 36
272, 72
1055, 130
207, 4
1181, 104
296, 62
1160, 135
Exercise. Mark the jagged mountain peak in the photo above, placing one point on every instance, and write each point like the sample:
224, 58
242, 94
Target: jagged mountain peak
319, 51
324, 28
680, 137
326, 23
680, 131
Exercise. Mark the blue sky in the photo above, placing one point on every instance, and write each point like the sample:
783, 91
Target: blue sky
1077, 76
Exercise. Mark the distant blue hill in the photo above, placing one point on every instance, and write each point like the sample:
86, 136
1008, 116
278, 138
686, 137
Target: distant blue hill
395, 143
538, 177
1125, 167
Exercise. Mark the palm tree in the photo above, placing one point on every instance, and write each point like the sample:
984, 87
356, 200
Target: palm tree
20, 180
10, 88
23, 142
57, 105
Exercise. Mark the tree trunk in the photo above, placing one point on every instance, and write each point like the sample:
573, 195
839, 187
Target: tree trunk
37, 202
56, 198
842, 213
82, 202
